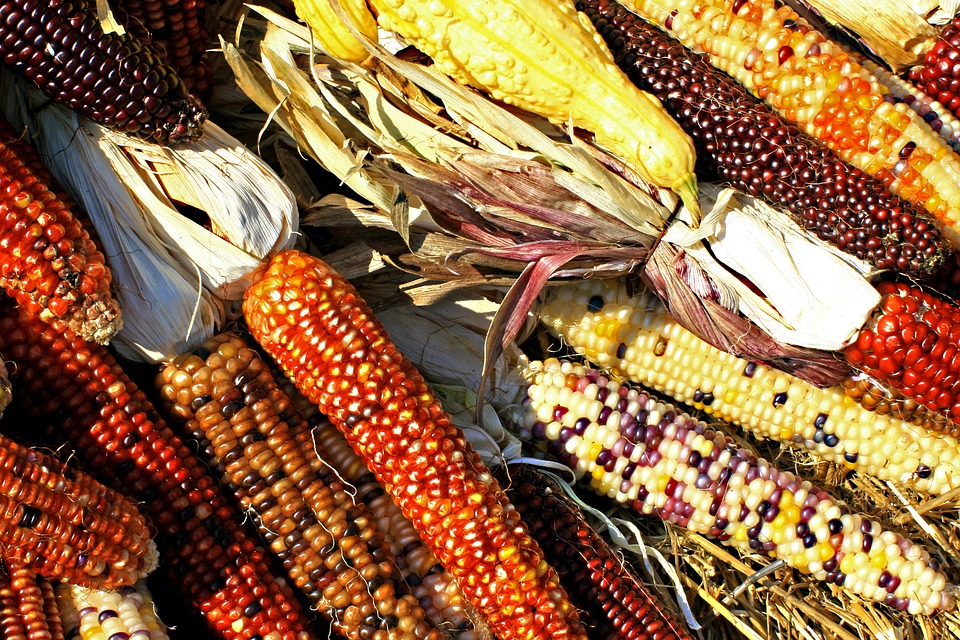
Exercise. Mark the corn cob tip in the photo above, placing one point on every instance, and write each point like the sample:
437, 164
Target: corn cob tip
686, 188
97, 319
188, 126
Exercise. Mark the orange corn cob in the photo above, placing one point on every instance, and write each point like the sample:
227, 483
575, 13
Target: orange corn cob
325, 338
28, 609
810, 80
48, 262
218, 568
226, 397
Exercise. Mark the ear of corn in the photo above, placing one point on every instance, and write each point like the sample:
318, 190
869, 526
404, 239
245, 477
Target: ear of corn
658, 460
541, 57
49, 263
6, 390
596, 577
115, 80
219, 569
125, 614
331, 33
634, 335
810, 80
747, 145
326, 339
28, 610
332, 549
939, 73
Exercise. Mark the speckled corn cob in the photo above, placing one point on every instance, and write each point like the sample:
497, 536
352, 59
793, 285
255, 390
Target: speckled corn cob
325, 338
434, 587
115, 80
634, 335
226, 397
28, 610
810, 80
599, 581
85, 397
48, 262
127, 614
875, 396
656, 459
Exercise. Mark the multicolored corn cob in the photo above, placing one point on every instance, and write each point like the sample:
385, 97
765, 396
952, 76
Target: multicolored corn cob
634, 336
812, 81
126, 614
326, 339
28, 609
86, 398
597, 578
749, 146
226, 397
910, 346
48, 262
64, 525
115, 80
434, 587
875, 396
658, 460
939, 75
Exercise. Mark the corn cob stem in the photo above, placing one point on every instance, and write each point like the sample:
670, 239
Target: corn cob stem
127, 614
813, 82
597, 578
219, 569
656, 459
325, 338
753, 149
227, 398
634, 335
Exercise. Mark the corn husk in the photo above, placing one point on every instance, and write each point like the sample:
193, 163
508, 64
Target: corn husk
175, 277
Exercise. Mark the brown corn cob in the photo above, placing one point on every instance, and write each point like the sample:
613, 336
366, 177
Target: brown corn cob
434, 587
325, 338
593, 573
115, 80
49, 264
219, 569
65, 525
28, 610
227, 398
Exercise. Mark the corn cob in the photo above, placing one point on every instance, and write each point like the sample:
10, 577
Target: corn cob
226, 397
6, 391
810, 80
218, 568
743, 141
115, 80
332, 34
939, 74
65, 525
633, 335
597, 578
49, 263
127, 614
910, 347
28, 610
875, 396
541, 57
656, 459
434, 587
325, 338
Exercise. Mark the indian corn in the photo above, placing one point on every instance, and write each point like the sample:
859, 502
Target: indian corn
634, 336
225, 396
658, 460
325, 338
125, 614
750, 147
939, 74
28, 609
330, 31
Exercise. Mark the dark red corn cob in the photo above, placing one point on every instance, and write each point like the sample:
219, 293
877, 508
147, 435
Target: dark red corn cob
28, 607
912, 346
939, 74
218, 568
116, 80
594, 575
747, 145
48, 262
326, 339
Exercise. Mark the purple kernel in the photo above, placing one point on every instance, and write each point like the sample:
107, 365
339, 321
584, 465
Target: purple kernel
669, 505
894, 583
724, 476
780, 399
775, 496
809, 540
652, 458
604, 415
841, 579
884, 580
867, 543
830, 565
617, 449
559, 412
621, 350
923, 471
602, 392
754, 532
628, 449
595, 304
703, 481
755, 544
625, 418
750, 369
565, 434
802, 529
694, 459
744, 512
580, 426
697, 395
835, 525
688, 510
628, 470
769, 546
604, 457
751, 475
722, 523
820, 420
903, 604
907, 149
771, 513
539, 430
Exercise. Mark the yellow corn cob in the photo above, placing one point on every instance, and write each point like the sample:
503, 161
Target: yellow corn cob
810, 80
543, 57
634, 335
332, 34
90, 614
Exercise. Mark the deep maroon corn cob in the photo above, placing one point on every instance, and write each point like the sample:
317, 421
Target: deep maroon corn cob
326, 339
116, 80
939, 74
595, 576
92, 404
747, 145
